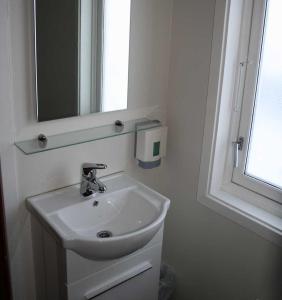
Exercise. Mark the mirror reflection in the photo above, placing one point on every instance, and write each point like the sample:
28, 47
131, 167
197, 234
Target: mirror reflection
82, 54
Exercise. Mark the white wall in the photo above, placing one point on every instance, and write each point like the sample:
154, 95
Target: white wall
29, 175
214, 258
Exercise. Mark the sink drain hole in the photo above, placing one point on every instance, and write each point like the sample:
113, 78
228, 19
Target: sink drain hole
104, 234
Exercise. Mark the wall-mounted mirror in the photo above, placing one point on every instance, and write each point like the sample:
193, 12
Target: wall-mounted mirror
82, 56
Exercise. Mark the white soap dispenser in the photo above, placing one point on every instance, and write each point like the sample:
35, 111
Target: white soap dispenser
151, 146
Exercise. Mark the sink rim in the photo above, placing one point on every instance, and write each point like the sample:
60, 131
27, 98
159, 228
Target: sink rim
161, 213
70, 239
73, 235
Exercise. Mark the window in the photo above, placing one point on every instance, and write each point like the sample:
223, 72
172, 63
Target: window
260, 163
241, 167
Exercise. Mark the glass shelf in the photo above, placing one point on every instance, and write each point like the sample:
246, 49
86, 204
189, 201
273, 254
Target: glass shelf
85, 135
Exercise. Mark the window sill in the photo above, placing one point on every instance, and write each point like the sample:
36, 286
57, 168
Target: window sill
247, 215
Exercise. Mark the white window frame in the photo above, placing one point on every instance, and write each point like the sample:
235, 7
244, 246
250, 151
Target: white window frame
216, 188
255, 13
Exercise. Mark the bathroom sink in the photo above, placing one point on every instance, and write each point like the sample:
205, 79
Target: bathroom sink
103, 226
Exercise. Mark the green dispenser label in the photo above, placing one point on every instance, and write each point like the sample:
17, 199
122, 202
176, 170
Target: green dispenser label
156, 150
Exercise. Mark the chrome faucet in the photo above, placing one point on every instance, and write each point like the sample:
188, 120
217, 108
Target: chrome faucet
90, 184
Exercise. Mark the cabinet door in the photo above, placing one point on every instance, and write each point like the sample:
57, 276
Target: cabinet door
142, 286
136, 278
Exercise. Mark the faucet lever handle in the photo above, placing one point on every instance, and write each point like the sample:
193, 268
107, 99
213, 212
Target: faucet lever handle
88, 167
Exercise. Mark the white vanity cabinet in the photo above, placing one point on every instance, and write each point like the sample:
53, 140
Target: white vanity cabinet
62, 274
74, 258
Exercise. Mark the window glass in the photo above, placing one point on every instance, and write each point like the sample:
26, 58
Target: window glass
264, 160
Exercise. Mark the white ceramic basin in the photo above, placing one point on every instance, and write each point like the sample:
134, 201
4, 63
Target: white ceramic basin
129, 211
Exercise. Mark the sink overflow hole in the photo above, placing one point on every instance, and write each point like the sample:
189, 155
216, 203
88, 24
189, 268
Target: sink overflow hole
104, 234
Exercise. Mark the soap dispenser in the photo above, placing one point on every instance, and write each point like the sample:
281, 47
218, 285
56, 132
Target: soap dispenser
151, 146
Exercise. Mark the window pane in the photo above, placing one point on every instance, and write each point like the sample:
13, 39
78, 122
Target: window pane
265, 150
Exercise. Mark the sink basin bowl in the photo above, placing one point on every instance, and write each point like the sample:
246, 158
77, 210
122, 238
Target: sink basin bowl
103, 226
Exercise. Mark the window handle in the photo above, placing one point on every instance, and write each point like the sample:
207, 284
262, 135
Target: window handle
237, 146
